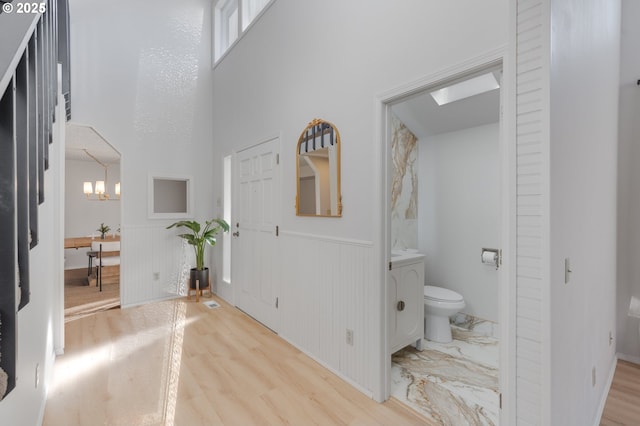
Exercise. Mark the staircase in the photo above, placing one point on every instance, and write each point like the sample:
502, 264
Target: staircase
28, 98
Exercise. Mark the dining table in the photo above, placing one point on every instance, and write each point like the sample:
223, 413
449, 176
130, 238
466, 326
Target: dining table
85, 242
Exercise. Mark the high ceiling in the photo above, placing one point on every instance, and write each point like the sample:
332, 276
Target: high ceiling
81, 137
425, 118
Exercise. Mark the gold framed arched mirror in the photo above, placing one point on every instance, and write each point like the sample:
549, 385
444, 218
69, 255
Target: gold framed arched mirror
318, 171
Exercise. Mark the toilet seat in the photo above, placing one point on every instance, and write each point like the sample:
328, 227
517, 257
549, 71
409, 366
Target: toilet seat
440, 294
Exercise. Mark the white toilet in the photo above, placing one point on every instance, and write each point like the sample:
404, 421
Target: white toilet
439, 304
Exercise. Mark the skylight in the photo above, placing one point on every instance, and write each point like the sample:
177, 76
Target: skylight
473, 86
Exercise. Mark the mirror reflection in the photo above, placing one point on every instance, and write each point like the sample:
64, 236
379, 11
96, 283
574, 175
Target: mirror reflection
318, 170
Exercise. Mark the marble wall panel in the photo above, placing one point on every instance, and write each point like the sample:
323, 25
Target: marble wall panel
404, 187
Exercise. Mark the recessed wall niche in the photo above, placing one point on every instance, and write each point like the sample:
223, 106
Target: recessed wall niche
170, 196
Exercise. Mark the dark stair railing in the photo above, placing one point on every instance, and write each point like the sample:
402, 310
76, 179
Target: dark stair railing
28, 98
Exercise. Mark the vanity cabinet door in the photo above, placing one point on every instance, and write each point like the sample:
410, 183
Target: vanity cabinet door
392, 299
407, 306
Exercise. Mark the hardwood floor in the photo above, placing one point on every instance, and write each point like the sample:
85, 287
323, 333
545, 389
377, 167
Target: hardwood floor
623, 402
180, 363
81, 299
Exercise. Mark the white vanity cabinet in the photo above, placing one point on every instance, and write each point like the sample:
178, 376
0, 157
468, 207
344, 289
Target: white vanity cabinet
406, 300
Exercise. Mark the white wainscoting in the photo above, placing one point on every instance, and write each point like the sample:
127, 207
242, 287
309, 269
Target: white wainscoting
531, 386
328, 287
149, 250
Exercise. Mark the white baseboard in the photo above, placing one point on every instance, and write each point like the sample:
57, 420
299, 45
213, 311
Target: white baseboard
630, 358
46, 380
144, 302
330, 368
605, 393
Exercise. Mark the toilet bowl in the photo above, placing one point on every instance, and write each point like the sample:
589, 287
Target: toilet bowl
439, 304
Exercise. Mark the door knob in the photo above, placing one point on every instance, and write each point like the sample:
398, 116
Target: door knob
236, 234
400, 306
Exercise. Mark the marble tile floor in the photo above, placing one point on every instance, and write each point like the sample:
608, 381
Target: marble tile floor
450, 383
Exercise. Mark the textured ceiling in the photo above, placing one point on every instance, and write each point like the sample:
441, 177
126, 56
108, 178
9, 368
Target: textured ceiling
81, 137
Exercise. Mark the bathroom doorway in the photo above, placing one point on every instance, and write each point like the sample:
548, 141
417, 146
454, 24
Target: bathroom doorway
445, 173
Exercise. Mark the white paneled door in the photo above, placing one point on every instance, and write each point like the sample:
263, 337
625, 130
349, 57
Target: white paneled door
255, 243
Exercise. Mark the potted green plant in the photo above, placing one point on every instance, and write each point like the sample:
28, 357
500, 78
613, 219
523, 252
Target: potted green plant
103, 229
199, 237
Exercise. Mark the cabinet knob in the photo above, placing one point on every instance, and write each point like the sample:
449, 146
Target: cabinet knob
400, 306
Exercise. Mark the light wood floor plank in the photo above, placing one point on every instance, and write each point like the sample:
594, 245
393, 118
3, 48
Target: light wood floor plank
81, 299
623, 402
180, 363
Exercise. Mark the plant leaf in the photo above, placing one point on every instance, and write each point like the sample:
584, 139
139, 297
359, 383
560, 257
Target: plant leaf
223, 224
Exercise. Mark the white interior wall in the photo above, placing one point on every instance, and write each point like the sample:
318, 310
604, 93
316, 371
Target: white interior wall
628, 340
584, 84
83, 217
141, 73
269, 85
459, 214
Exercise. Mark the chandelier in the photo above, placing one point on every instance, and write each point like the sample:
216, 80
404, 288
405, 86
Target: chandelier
100, 192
